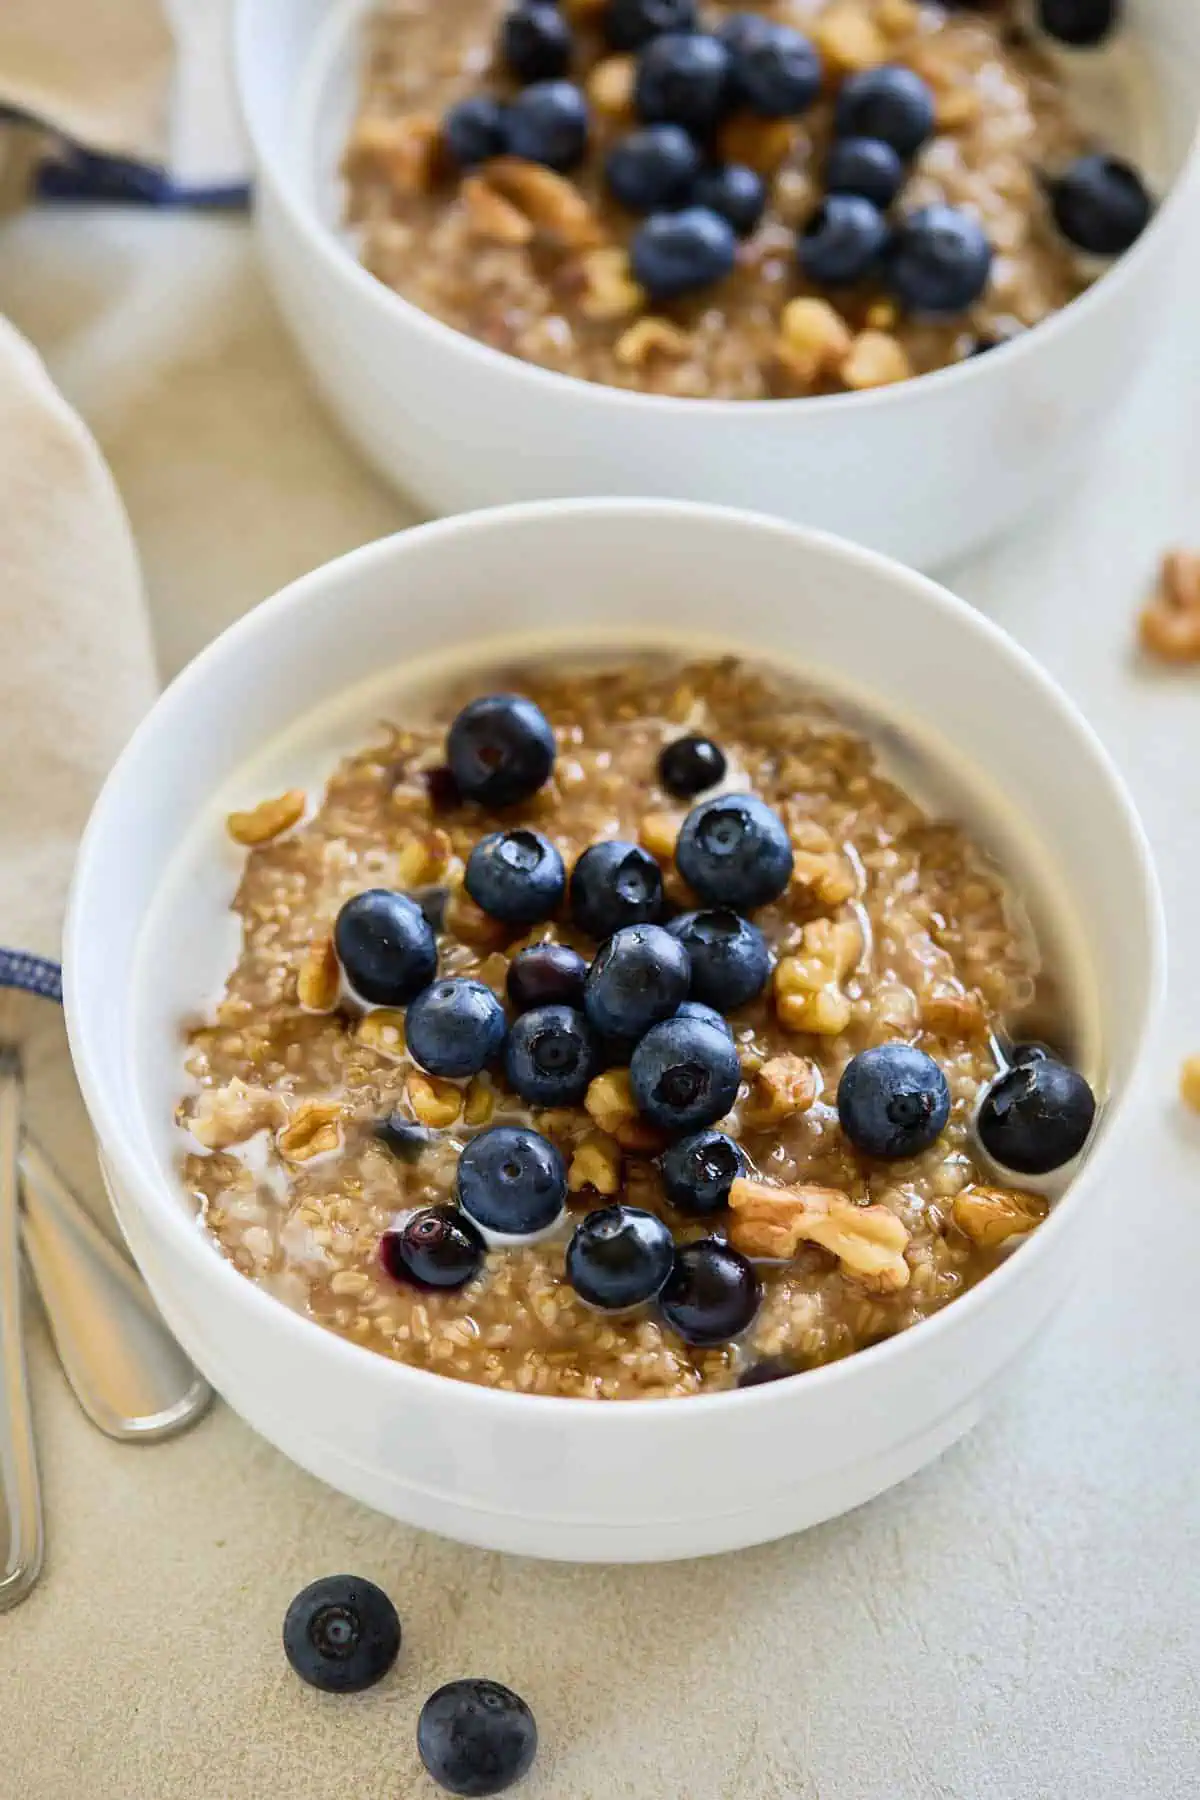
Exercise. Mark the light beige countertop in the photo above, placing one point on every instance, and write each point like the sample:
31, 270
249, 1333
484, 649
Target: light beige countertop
1019, 1622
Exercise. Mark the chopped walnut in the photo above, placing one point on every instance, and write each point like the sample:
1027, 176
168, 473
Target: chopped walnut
820, 865
610, 86
610, 1103
658, 832
312, 1130
849, 39
762, 144
648, 338
382, 1030
956, 107
493, 217
406, 153
868, 1241
422, 858
434, 1102
876, 359
991, 1216
609, 291
1170, 625
231, 1114
596, 1164
469, 922
953, 1013
268, 820
318, 979
882, 315
808, 985
813, 339
1189, 1082
553, 205
897, 17
480, 1102
784, 1086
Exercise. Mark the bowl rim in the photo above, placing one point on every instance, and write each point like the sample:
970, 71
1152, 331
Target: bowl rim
337, 257
149, 1188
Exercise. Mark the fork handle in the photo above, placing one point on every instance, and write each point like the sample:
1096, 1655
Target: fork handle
20, 1495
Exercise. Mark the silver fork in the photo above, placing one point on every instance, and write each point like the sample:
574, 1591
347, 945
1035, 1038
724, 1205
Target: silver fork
22, 1534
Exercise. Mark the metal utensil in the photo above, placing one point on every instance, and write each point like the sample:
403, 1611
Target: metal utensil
22, 1536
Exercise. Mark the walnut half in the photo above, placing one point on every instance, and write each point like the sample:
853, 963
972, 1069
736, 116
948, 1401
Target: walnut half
868, 1241
991, 1216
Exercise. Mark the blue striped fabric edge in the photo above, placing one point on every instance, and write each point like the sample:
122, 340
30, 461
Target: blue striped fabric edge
31, 974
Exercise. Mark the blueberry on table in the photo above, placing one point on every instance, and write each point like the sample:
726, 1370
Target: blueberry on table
341, 1634
890, 103
776, 71
841, 243
653, 168
685, 1074
628, 24
619, 1257
689, 765
548, 123
403, 1137
695, 1009
699, 1171
893, 1101
939, 261
1100, 204
865, 166
739, 196
500, 749
386, 947
1037, 1116
476, 1738
711, 1294
640, 976
437, 1247
734, 851
678, 253
455, 1027
551, 1056
729, 956
535, 41
476, 129
546, 975
1083, 24
683, 80
516, 876
615, 884
512, 1181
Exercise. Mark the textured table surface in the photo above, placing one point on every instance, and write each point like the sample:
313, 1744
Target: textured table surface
1020, 1621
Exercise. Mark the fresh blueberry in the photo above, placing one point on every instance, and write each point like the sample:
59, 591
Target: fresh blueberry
615, 884
683, 80
1083, 24
619, 1257
699, 1171
739, 196
535, 41
341, 1634
548, 123
734, 851
437, 1247
685, 1073
939, 260
652, 169
476, 1738
511, 1181
385, 946
695, 1009
771, 1368
1030, 1052
475, 130
455, 1027
776, 71
640, 976
893, 1101
1100, 204
676, 253
403, 1137
1036, 1116
711, 1294
500, 749
729, 956
739, 30
628, 24
889, 103
842, 241
865, 166
546, 975
517, 876
689, 765
432, 902
551, 1056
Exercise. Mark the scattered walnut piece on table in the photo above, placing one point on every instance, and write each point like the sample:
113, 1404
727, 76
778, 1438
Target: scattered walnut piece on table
268, 820
868, 1241
1189, 1083
991, 1216
1170, 624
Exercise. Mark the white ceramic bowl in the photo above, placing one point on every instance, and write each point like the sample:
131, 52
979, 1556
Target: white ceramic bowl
922, 471
269, 701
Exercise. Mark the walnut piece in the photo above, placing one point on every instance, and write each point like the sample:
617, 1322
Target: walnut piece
610, 86
813, 339
991, 1216
610, 1105
434, 1102
876, 359
405, 153
868, 1241
422, 858
609, 289
229, 1115
480, 1102
784, 1086
470, 923
312, 1130
954, 1013
762, 144
554, 206
268, 820
651, 337
808, 985
1170, 625
491, 216
382, 1030
658, 832
819, 865
849, 39
318, 979
596, 1164
897, 17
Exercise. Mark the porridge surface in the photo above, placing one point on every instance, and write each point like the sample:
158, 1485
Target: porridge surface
893, 927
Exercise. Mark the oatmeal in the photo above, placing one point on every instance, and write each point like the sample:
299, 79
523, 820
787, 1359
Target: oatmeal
647, 194
651, 1070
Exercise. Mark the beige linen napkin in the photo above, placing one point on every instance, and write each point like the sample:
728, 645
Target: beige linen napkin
95, 70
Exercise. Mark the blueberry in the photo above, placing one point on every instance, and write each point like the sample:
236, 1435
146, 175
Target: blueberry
476, 1737
685, 1073
729, 956
738, 31
385, 946
551, 1056
517, 876
889, 103
776, 71
653, 169
628, 24
455, 1027
475, 130
437, 1247
865, 166
535, 41
1100, 204
619, 1257
676, 253
711, 1294
512, 1181
341, 1634
1080, 23
640, 976
734, 851
403, 1137
893, 1101
771, 1368
689, 765
615, 884
500, 749
694, 1009
939, 260
548, 123
699, 1171
443, 790
739, 196
546, 975
683, 80
842, 241
1036, 1116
